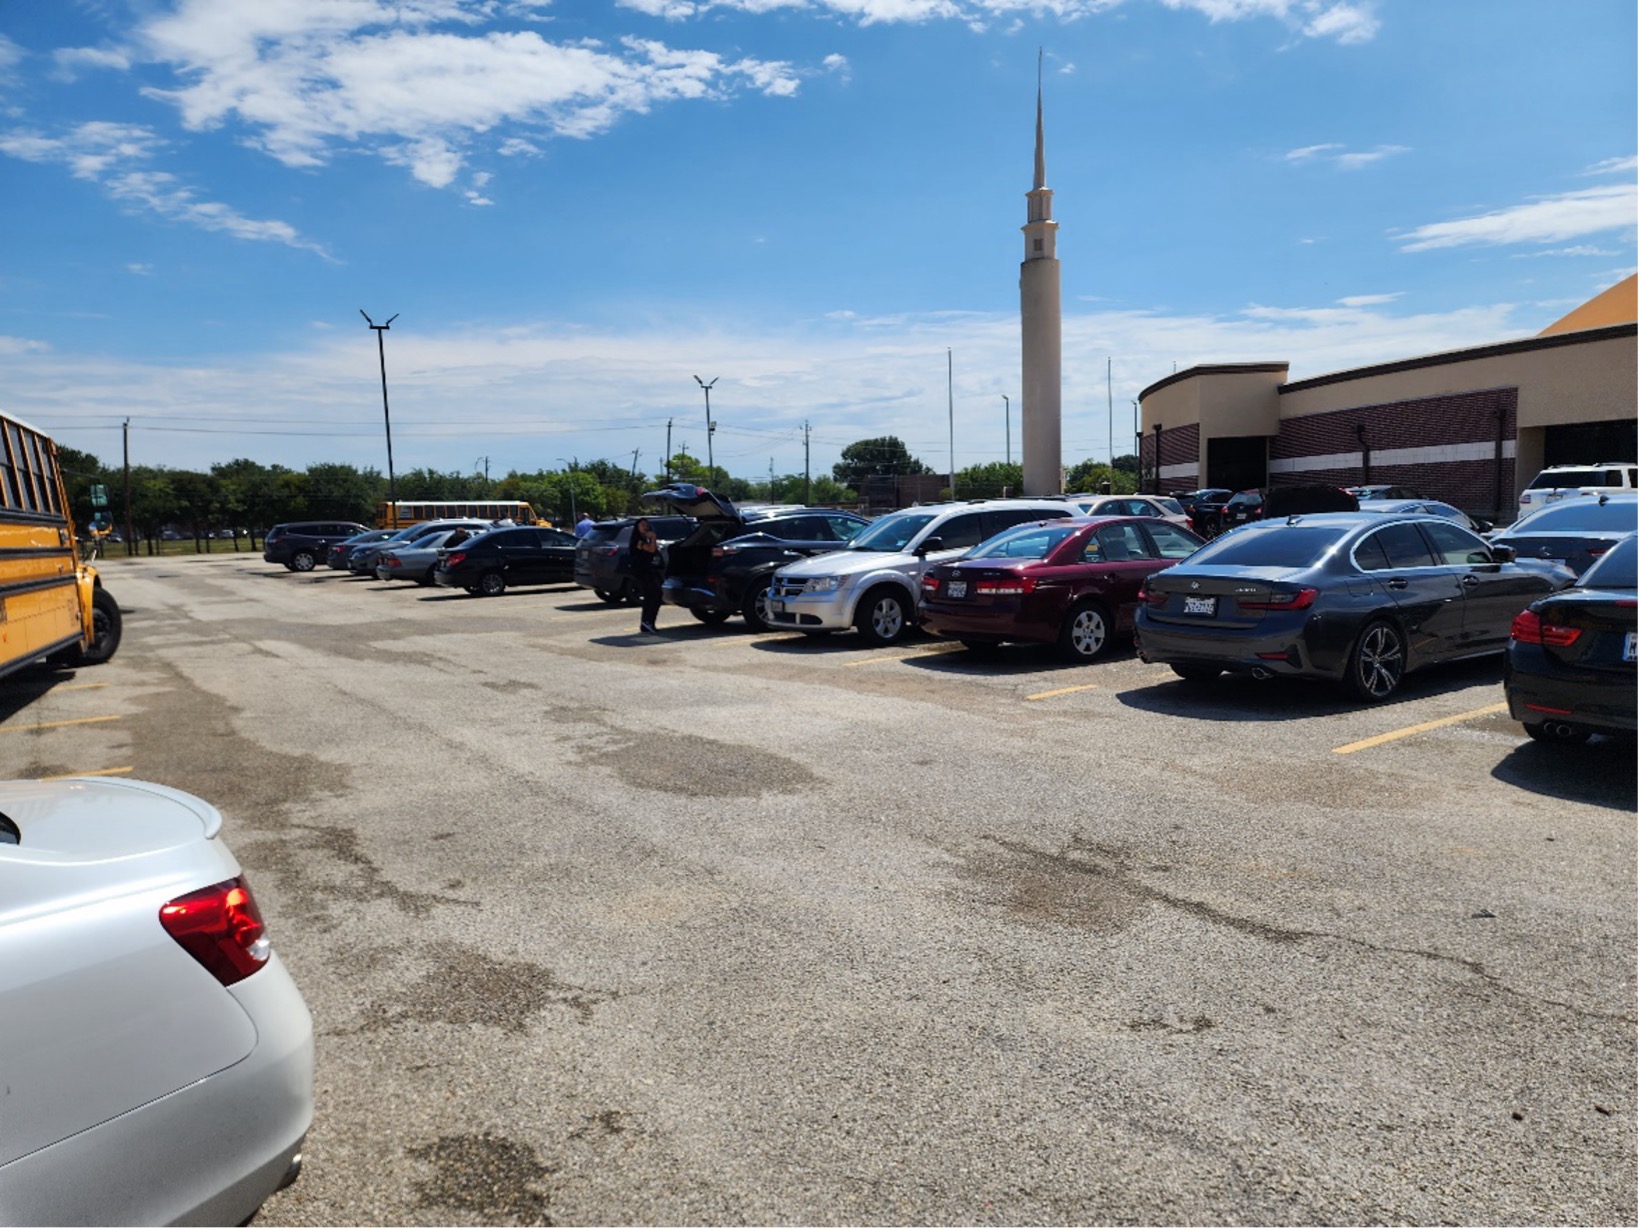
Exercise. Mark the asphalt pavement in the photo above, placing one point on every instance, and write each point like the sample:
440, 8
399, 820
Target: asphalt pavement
709, 927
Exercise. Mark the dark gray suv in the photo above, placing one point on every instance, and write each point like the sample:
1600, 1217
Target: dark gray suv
299, 545
601, 558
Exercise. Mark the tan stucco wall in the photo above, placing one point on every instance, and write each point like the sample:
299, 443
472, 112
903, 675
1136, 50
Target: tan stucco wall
1223, 403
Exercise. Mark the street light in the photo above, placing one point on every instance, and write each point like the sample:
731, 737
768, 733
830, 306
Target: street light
1007, 433
381, 351
706, 388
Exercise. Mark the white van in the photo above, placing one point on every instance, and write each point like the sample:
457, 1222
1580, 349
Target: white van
1555, 483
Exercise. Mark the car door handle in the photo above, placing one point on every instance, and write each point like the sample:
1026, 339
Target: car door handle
1397, 583
1469, 581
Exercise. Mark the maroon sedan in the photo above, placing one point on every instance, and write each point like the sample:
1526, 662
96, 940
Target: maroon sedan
1073, 583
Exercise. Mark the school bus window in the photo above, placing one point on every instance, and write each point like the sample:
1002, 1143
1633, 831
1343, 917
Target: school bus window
19, 464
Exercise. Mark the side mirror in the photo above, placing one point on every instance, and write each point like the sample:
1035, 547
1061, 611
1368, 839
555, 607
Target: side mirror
932, 543
1482, 526
1502, 554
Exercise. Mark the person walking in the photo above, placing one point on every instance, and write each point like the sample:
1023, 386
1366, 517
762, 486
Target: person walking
583, 527
646, 567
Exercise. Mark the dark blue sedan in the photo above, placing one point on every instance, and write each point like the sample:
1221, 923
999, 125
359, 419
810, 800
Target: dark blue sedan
1356, 598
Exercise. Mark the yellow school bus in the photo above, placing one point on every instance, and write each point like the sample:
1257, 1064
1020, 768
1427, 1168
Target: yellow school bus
390, 516
51, 603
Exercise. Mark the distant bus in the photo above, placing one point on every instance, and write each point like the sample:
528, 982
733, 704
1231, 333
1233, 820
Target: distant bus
52, 603
390, 516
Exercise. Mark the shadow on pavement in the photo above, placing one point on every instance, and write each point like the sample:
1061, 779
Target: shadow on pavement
1600, 772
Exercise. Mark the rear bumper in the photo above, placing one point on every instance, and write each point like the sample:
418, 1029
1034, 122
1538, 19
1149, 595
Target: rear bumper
1539, 692
1277, 651
687, 592
206, 1155
992, 624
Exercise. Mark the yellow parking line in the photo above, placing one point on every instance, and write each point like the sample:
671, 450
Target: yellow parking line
89, 773
1059, 692
72, 687
1419, 728
66, 722
898, 658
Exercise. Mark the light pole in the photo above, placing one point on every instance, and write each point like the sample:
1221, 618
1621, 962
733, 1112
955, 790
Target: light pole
1007, 433
706, 388
387, 422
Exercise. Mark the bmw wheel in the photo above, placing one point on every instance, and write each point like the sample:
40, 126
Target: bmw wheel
1377, 662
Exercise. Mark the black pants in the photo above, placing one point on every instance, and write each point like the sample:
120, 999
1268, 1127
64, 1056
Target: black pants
649, 580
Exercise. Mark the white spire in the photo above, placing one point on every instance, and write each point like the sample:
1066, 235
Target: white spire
1041, 180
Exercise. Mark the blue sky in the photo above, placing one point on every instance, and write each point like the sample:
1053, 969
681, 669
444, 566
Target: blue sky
577, 207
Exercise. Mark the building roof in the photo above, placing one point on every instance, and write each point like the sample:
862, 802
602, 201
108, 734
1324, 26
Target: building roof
1613, 306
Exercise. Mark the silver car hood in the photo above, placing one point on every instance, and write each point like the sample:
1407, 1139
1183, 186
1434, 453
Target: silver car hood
846, 563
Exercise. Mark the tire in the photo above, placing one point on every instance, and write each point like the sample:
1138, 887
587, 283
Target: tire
1377, 662
105, 639
613, 599
709, 617
882, 618
1086, 634
755, 606
491, 585
1196, 673
302, 562
1555, 733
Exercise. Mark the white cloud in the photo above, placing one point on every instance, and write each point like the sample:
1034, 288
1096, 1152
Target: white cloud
70, 60
140, 268
115, 156
1342, 22
10, 53
1613, 166
414, 82
1368, 301
22, 346
1554, 219
851, 375
1574, 250
1350, 160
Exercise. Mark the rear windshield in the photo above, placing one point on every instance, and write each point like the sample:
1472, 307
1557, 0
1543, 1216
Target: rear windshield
1271, 546
1578, 478
1027, 543
1615, 570
1579, 515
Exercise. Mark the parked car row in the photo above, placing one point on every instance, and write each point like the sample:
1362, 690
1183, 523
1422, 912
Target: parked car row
1361, 596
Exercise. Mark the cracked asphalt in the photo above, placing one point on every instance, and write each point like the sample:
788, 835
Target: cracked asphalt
708, 928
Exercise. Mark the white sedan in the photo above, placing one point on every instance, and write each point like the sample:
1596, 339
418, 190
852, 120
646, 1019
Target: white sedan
1165, 507
156, 1059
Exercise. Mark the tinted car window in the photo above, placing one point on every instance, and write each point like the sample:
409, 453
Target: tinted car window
963, 530
1615, 570
1028, 543
1277, 547
795, 528
1577, 478
1585, 514
556, 538
513, 538
1454, 545
1171, 542
1001, 519
1122, 542
843, 528
1398, 546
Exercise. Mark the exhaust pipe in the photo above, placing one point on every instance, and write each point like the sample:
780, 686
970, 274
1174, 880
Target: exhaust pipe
1560, 730
1263, 673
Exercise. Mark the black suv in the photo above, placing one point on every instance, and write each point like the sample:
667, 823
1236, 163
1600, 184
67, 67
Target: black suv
299, 545
601, 558
725, 566
488, 563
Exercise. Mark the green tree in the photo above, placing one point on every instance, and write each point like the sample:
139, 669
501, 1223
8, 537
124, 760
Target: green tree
254, 494
1091, 476
991, 480
335, 489
153, 502
878, 455
198, 496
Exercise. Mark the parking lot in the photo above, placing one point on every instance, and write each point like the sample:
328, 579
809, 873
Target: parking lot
712, 927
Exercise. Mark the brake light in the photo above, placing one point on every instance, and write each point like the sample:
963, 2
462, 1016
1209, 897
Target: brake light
728, 550
605, 551
1006, 585
1152, 598
1529, 629
1290, 602
1596, 552
454, 558
221, 926
390, 561
931, 584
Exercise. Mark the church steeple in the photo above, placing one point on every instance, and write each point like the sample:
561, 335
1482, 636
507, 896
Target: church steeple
1039, 224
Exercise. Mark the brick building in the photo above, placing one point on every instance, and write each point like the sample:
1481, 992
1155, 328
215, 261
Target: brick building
1470, 427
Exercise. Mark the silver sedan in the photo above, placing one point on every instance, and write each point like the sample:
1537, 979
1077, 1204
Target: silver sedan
416, 561
157, 1064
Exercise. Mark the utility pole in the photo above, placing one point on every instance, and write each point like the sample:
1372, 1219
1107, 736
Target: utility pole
1110, 427
806, 499
1007, 434
130, 536
951, 422
633, 473
486, 460
387, 422
666, 463
711, 427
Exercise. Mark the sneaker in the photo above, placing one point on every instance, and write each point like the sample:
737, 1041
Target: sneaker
646, 628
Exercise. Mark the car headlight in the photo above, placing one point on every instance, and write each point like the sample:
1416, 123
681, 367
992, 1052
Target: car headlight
823, 585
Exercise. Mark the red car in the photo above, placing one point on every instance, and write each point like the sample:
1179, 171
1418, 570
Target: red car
1074, 583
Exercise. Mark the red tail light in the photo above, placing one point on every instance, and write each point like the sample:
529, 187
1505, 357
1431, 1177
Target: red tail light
1599, 550
1290, 602
1529, 629
930, 584
390, 561
454, 558
605, 551
222, 927
1152, 598
1006, 585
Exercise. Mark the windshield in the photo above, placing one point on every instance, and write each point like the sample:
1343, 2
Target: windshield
1615, 570
1579, 515
1280, 546
892, 533
1021, 543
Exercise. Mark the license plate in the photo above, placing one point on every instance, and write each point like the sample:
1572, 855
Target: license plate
1551, 498
1196, 604
958, 589
1628, 647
